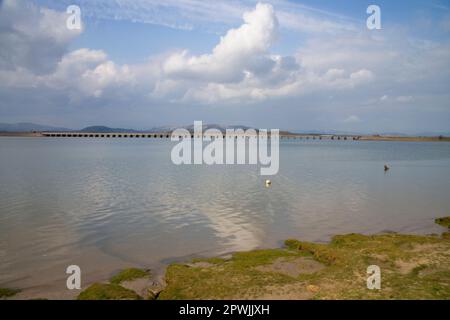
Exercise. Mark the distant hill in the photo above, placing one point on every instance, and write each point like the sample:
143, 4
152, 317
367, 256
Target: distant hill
161, 129
28, 127
103, 129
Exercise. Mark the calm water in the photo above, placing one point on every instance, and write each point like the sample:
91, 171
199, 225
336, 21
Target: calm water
108, 204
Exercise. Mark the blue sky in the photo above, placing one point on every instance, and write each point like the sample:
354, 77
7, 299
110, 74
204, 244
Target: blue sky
299, 65
117, 36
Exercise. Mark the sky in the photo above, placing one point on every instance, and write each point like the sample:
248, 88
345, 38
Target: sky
292, 65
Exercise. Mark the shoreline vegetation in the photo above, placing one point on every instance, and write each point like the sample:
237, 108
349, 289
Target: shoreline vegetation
412, 267
283, 135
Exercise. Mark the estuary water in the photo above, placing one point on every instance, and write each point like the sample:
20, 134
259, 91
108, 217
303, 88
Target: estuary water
107, 204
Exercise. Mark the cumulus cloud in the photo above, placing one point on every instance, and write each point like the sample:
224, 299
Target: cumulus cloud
88, 72
240, 68
34, 54
32, 37
238, 51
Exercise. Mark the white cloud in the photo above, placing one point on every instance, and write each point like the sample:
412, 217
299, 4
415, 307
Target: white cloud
31, 37
238, 51
239, 69
88, 72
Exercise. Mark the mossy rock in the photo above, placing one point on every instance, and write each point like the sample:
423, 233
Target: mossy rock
102, 291
444, 221
129, 275
8, 292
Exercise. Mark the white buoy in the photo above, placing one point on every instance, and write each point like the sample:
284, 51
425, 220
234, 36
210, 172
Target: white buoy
268, 183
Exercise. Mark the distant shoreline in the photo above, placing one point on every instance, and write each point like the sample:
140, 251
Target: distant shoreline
283, 135
399, 138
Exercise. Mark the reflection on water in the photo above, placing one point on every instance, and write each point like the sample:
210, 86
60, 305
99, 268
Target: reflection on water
107, 204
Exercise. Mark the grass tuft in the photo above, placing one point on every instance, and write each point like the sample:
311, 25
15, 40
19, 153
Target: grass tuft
129, 274
102, 291
8, 292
